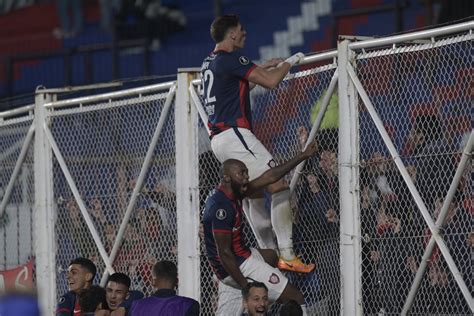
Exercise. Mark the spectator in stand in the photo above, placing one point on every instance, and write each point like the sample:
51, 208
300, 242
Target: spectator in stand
255, 298
165, 301
316, 230
118, 294
80, 274
457, 231
92, 302
68, 9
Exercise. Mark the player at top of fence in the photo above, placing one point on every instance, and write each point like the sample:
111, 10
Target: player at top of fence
227, 76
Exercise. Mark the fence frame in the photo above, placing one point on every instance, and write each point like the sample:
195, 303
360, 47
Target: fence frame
350, 88
187, 174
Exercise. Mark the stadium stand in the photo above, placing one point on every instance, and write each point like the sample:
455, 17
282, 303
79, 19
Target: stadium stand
34, 56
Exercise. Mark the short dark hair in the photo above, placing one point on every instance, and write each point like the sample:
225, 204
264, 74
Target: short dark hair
120, 278
89, 299
291, 308
221, 25
165, 269
86, 264
250, 285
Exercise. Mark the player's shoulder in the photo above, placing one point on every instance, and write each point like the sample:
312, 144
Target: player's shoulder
66, 303
217, 200
67, 297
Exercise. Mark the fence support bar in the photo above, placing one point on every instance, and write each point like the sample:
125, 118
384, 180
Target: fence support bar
16, 170
199, 107
349, 243
315, 127
466, 156
187, 187
406, 177
44, 212
140, 180
77, 196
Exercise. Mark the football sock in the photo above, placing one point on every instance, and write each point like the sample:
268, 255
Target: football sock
282, 223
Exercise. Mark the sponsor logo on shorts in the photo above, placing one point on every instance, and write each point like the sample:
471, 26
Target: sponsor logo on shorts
244, 60
274, 279
272, 163
221, 214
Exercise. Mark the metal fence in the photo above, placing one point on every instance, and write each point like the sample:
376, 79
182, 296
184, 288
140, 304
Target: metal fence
384, 208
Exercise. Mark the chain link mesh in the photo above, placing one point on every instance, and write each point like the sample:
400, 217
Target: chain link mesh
421, 92
282, 120
423, 95
16, 224
104, 147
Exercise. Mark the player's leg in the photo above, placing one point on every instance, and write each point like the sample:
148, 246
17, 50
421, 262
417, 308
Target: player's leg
260, 222
227, 145
242, 144
229, 302
292, 293
257, 163
269, 256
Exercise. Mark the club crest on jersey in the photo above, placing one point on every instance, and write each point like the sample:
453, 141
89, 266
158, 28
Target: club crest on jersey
221, 214
272, 163
62, 299
274, 279
244, 60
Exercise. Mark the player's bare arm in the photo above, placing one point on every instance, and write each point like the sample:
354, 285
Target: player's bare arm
224, 249
276, 173
268, 65
269, 78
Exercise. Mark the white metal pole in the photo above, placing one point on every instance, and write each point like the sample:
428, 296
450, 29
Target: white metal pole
16, 170
390, 40
45, 212
315, 127
187, 193
199, 107
350, 251
141, 178
440, 222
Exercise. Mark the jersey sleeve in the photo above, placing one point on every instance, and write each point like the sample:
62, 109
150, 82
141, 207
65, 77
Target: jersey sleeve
239, 65
65, 305
223, 218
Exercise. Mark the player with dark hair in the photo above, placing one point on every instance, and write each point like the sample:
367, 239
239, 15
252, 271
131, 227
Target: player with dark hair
227, 76
118, 294
92, 300
80, 274
232, 260
165, 301
255, 298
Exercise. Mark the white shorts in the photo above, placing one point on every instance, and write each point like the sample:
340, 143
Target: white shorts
248, 149
229, 302
255, 268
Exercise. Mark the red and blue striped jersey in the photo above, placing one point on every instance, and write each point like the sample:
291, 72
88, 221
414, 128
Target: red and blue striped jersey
224, 77
223, 214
